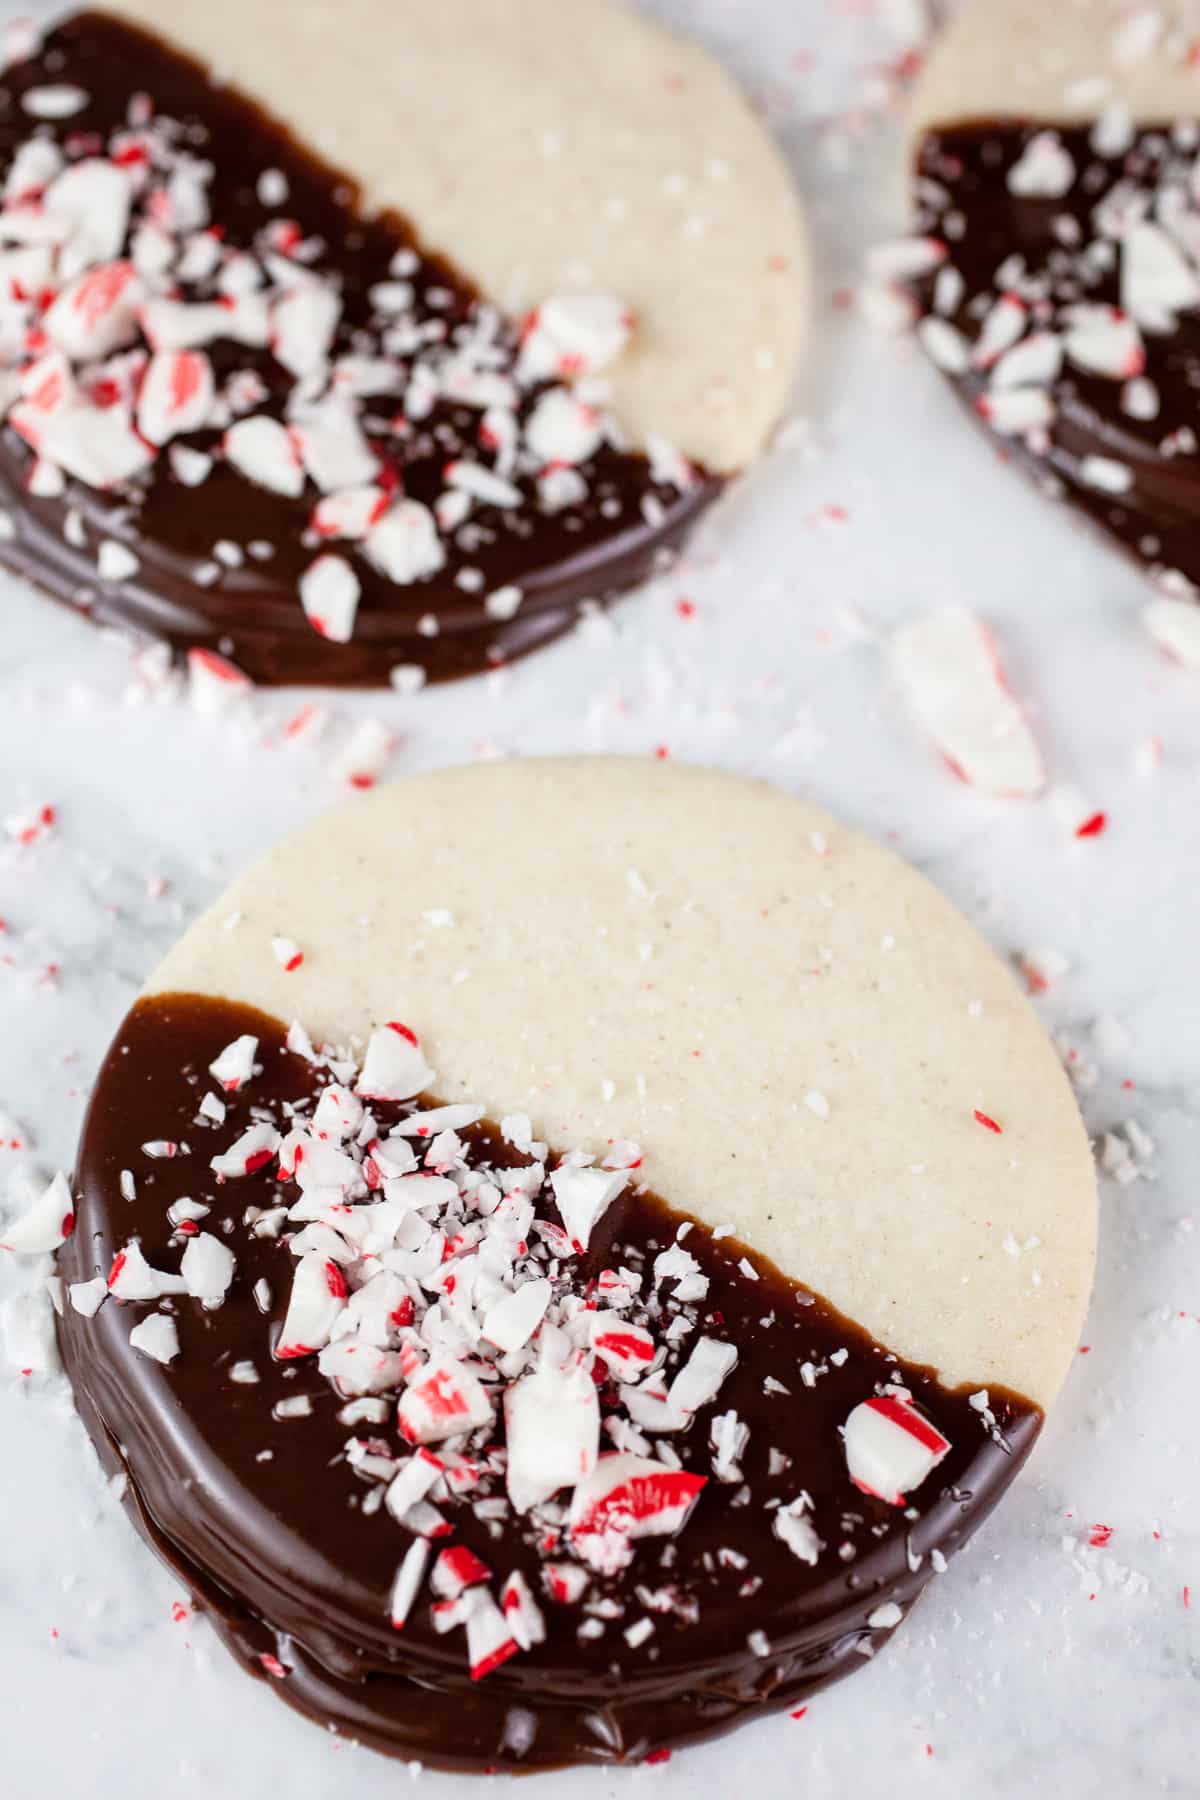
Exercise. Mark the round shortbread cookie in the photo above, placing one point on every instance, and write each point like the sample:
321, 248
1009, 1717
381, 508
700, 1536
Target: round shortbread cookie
1057, 261
644, 1383
347, 366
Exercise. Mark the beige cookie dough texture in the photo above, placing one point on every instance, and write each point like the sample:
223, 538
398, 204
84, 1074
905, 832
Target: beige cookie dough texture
795, 1027
1063, 61
550, 146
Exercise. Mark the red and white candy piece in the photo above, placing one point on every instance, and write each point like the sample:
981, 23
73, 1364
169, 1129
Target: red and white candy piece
177, 325
394, 1067
1045, 169
563, 430
303, 324
156, 1336
701, 1378
407, 1584
442, 1400
132, 1278
97, 313
490, 1641
793, 1527
891, 1447
1157, 280
404, 545
207, 1268
177, 395
626, 1348
525, 1618
235, 1065
315, 1305
333, 448
625, 1498
457, 1569
215, 685
552, 1424
512, 1321
573, 334
947, 667
329, 594
1103, 341
1003, 324
350, 513
262, 450
584, 1196
253, 1150
46, 1224
90, 201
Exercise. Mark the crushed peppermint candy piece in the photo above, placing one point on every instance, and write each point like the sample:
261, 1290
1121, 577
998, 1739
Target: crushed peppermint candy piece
584, 1196
329, 594
235, 1065
393, 1067
262, 450
947, 665
625, 1498
156, 1336
441, 1400
46, 1224
207, 1268
891, 1447
552, 1421
573, 334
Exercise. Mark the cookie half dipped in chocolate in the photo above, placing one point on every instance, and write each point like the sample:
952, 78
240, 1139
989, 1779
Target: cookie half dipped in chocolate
1056, 168
384, 342
562, 1253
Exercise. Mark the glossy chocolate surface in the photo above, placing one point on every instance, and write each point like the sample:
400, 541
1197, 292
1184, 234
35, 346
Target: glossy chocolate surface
616, 536
279, 1550
1055, 252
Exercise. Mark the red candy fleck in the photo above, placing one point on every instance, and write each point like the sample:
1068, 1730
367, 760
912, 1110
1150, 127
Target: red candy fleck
989, 1124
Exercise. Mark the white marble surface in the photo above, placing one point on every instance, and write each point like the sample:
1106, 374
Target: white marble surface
1038, 1661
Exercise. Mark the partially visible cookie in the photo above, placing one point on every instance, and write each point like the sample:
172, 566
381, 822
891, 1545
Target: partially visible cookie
564, 1251
1057, 264
391, 339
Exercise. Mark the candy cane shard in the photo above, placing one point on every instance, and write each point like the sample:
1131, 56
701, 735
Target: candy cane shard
329, 594
946, 665
46, 1224
156, 1336
584, 1196
442, 1400
552, 1424
394, 1067
573, 334
263, 451
626, 1498
235, 1065
891, 1447
407, 1584
132, 1278
525, 1618
177, 395
207, 1268
315, 1305
792, 1525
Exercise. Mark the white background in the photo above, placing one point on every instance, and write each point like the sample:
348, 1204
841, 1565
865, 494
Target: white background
1038, 1662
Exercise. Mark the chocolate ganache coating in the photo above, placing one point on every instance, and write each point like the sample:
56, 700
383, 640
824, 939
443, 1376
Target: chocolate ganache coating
1065, 308
269, 1523
219, 557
